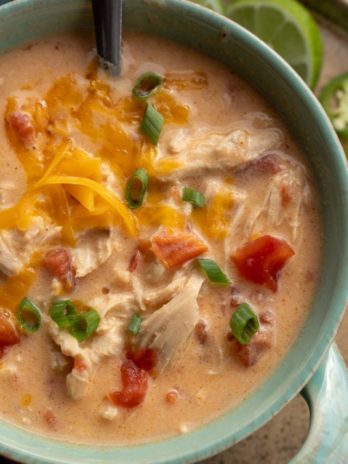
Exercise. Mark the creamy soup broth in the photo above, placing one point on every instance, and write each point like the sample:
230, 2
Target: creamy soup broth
215, 127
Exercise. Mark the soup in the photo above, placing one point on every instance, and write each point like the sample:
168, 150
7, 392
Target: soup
159, 240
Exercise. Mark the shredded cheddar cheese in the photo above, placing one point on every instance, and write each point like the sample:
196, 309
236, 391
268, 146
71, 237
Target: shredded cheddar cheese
68, 186
112, 200
62, 151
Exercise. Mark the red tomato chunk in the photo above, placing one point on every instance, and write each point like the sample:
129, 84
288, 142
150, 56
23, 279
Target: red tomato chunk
134, 381
59, 263
23, 127
261, 260
145, 359
8, 331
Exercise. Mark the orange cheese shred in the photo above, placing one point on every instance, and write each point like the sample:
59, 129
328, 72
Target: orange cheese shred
111, 199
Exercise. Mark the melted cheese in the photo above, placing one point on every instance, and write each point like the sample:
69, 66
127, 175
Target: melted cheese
15, 288
214, 219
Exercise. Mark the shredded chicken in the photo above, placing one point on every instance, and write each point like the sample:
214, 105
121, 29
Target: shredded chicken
7, 188
170, 327
16, 247
108, 340
274, 211
285, 196
162, 295
138, 291
219, 152
94, 247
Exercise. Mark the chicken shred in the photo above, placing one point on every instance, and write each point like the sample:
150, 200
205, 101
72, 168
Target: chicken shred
17, 247
169, 328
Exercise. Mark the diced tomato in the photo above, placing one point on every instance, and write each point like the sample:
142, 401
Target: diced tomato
22, 126
144, 246
175, 250
134, 381
261, 260
145, 359
251, 353
59, 263
8, 331
134, 261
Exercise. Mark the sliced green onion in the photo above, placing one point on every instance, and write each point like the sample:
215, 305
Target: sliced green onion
63, 313
28, 316
194, 197
212, 271
79, 325
84, 325
244, 323
136, 188
146, 85
134, 324
152, 123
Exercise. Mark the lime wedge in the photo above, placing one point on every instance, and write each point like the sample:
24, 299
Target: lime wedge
288, 28
215, 5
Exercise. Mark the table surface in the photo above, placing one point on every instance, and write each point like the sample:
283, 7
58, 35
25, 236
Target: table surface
282, 437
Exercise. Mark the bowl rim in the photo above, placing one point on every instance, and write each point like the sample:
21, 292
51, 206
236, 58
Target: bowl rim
187, 451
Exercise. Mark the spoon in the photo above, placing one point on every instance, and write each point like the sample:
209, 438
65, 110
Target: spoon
108, 31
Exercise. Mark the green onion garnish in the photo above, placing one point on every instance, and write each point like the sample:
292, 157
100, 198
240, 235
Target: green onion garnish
63, 312
212, 271
146, 85
152, 123
136, 188
194, 197
84, 325
79, 325
244, 323
134, 324
28, 316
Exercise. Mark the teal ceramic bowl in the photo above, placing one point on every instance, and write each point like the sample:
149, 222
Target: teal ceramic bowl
24, 20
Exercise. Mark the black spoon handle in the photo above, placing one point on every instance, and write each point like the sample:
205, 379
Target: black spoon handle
108, 31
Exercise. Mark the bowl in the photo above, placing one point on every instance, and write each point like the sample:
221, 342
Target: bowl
224, 40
